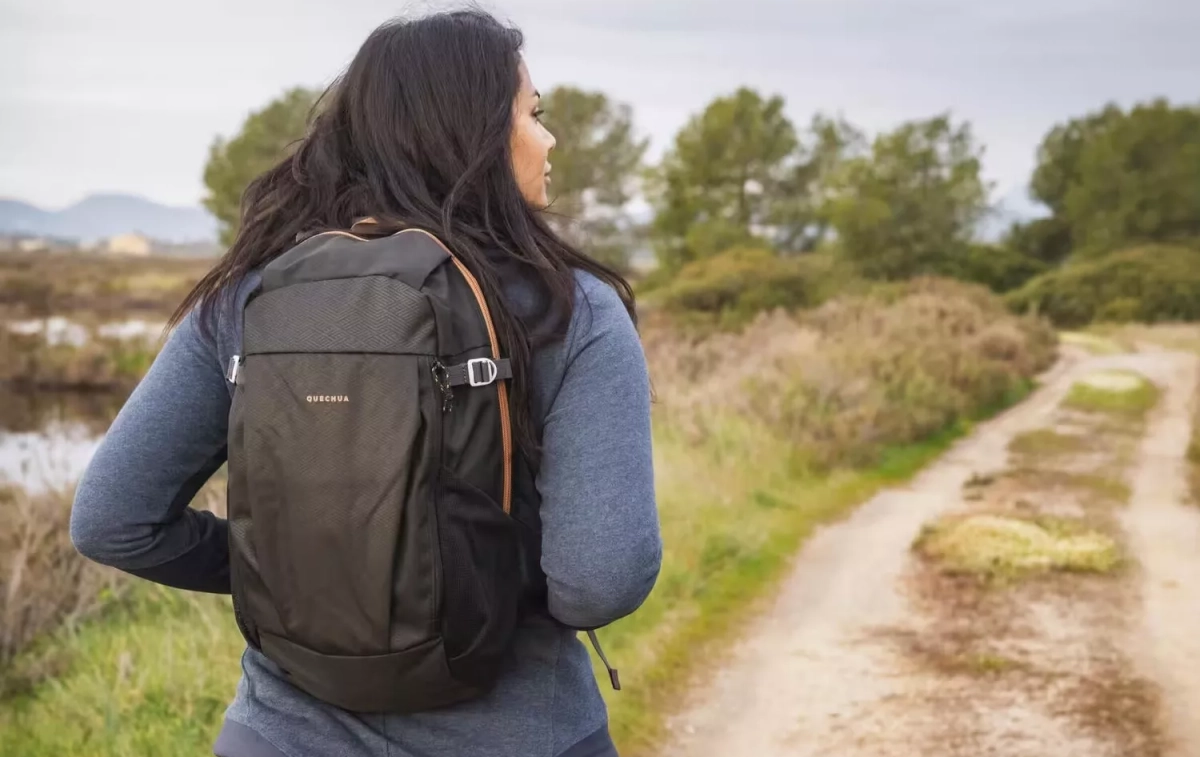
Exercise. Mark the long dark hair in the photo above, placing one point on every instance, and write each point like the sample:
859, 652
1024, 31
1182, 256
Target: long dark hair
416, 133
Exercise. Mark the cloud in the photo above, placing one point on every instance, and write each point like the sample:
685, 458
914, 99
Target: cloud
127, 94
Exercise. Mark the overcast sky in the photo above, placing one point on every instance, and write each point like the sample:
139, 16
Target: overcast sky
126, 95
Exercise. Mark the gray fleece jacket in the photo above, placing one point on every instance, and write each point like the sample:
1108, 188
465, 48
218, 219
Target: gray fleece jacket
601, 547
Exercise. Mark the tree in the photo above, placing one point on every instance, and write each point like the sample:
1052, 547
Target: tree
596, 165
719, 178
1059, 157
797, 214
1046, 240
264, 138
1117, 178
911, 205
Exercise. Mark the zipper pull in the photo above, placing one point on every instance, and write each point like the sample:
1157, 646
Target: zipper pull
235, 369
441, 377
613, 676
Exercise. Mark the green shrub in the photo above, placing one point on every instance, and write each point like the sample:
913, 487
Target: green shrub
737, 284
1047, 240
1147, 284
998, 268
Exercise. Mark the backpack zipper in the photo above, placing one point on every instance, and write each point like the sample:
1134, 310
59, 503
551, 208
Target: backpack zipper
443, 385
501, 388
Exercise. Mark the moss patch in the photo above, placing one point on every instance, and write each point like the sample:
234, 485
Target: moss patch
1096, 485
1047, 441
1119, 392
997, 547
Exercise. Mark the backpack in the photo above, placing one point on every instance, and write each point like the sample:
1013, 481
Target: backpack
374, 558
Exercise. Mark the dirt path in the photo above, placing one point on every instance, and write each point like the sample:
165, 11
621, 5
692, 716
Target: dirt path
1166, 538
867, 651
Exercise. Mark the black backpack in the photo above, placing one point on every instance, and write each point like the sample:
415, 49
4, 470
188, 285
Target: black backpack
374, 559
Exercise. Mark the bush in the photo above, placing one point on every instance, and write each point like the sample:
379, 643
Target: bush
731, 288
1047, 240
998, 268
45, 583
860, 373
1147, 284
35, 363
43, 580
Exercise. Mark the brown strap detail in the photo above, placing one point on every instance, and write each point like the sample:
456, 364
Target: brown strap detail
501, 387
338, 233
365, 225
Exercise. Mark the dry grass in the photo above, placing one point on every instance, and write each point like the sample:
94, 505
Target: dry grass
1045, 441
859, 373
33, 363
33, 412
1182, 337
33, 285
1094, 344
44, 582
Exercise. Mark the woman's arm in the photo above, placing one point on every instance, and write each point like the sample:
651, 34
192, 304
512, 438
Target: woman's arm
601, 547
131, 507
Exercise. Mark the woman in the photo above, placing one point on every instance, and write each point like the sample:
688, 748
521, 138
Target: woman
435, 125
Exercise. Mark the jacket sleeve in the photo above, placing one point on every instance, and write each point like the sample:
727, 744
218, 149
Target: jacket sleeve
601, 546
131, 506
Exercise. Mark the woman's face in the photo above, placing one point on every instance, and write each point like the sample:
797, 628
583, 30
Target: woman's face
531, 144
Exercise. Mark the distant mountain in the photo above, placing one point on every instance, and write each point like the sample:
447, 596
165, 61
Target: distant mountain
105, 215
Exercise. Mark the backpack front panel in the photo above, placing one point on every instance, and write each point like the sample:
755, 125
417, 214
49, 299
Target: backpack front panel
373, 557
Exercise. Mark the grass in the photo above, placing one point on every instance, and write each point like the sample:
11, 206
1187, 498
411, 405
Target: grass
1123, 393
1103, 487
100, 363
152, 677
33, 285
154, 673
989, 663
1095, 344
43, 580
46, 584
721, 560
1045, 441
815, 415
1182, 337
1001, 548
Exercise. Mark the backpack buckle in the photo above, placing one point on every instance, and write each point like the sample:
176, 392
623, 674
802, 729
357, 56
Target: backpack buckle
487, 371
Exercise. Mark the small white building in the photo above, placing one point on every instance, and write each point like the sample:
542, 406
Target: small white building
32, 244
129, 244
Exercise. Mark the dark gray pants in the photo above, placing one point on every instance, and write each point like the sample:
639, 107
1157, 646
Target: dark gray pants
236, 740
